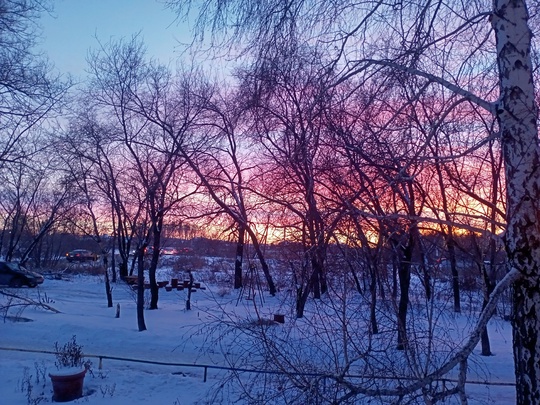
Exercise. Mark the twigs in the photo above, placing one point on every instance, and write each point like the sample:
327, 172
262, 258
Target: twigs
16, 300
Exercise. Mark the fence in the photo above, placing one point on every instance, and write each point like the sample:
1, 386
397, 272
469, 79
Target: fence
207, 367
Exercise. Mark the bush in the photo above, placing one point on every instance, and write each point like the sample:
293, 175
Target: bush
69, 355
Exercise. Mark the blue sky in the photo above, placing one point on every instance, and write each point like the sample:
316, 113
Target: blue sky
75, 24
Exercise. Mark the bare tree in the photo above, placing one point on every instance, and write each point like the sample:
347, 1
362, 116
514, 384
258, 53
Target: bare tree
81, 177
104, 177
286, 103
224, 169
35, 200
29, 95
137, 94
92, 154
416, 36
29, 92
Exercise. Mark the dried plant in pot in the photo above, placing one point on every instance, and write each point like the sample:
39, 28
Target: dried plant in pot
68, 379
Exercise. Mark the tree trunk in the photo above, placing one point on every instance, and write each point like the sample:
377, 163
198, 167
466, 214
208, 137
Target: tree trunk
451, 246
395, 268
38, 238
140, 289
517, 116
426, 276
447, 232
316, 280
239, 257
302, 294
404, 274
108, 289
123, 267
317, 263
373, 303
154, 289
113, 260
264, 264
15, 231
189, 288
489, 285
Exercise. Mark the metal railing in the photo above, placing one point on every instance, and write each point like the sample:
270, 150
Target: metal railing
207, 367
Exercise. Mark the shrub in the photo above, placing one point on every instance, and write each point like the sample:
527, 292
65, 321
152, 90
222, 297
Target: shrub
69, 355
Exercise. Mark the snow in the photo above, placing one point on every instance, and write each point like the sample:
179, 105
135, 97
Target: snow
62, 372
193, 338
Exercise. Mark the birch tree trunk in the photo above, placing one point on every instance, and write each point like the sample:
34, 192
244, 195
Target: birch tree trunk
517, 116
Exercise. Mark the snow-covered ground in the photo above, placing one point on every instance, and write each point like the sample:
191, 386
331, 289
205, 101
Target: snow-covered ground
173, 335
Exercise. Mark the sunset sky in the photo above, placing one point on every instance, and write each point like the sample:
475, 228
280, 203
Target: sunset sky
72, 30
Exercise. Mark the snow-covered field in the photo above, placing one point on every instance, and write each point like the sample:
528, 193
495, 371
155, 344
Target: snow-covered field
174, 335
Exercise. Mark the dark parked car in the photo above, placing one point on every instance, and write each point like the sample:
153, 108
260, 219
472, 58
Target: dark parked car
15, 275
81, 255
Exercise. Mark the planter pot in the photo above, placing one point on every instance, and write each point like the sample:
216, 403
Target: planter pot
174, 282
168, 288
67, 384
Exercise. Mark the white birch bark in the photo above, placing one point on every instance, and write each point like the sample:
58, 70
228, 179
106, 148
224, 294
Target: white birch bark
517, 116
